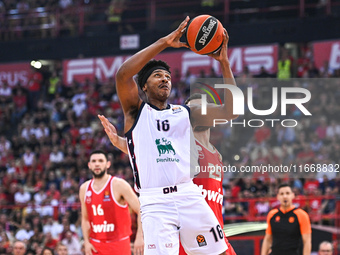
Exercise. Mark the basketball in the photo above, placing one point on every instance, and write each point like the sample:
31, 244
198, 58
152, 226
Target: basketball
204, 34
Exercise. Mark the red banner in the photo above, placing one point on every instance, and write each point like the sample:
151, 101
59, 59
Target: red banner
15, 73
253, 56
327, 51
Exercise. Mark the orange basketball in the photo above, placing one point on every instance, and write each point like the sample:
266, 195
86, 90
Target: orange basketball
204, 34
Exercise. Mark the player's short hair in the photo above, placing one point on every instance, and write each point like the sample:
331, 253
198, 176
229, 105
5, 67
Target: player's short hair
193, 97
146, 71
98, 152
283, 185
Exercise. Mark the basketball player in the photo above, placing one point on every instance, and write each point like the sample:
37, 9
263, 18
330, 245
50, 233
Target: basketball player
287, 226
209, 181
106, 222
158, 137
208, 156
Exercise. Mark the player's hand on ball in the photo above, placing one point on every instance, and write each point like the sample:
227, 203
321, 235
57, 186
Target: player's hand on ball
173, 39
222, 54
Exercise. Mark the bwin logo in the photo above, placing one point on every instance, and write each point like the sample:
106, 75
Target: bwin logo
103, 228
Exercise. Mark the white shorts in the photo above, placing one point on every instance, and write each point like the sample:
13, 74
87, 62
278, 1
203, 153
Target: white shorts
180, 211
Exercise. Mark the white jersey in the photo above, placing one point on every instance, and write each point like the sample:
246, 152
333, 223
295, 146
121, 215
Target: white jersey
162, 147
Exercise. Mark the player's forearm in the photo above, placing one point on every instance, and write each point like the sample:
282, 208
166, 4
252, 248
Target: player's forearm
266, 244
135, 63
265, 248
120, 143
307, 248
139, 226
228, 78
85, 227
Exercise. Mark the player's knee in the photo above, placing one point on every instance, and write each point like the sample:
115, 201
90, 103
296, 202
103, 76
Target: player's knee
223, 253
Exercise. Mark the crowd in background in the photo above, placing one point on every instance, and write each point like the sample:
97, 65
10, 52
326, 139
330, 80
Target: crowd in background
48, 129
54, 18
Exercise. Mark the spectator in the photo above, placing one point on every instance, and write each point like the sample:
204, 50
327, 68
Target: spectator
52, 192
72, 244
19, 248
34, 87
50, 242
28, 157
78, 107
62, 249
47, 251
5, 94
52, 227
56, 156
284, 66
24, 233
325, 248
21, 197
39, 197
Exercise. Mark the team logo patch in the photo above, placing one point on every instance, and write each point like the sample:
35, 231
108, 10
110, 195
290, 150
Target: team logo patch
106, 196
151, 246
88, 200
201, 240
291, 219
277, 219
200, 152
176, 109
88, 195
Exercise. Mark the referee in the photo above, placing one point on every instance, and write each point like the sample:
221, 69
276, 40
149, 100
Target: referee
286, 227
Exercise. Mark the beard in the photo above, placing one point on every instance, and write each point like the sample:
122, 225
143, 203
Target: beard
98, 176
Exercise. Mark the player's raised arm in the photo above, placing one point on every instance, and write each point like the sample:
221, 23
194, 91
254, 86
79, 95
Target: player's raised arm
127, 88
224, 111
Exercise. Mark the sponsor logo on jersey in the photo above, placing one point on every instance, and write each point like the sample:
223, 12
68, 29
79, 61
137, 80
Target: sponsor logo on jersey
168, 190
201, 240
151, 246
176, 109
277, 219
103, 228
291, 219
106, 196
168, 245
212, 195
164, 146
